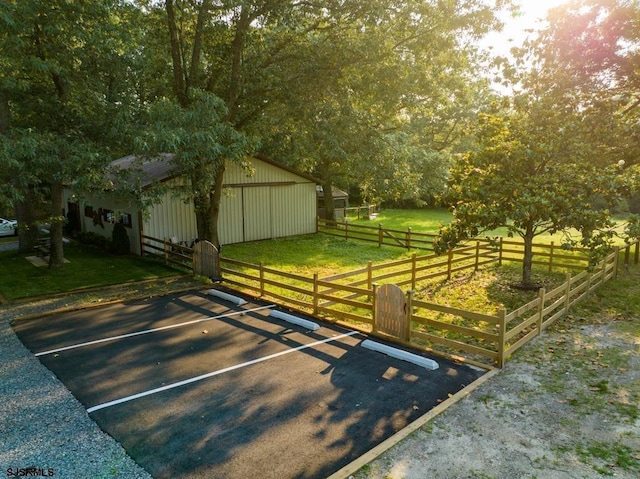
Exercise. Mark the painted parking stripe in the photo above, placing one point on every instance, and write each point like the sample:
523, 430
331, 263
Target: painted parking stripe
216, 373
154, 330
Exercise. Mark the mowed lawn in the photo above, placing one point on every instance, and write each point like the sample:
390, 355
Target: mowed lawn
314, 253
304, 255
429, 220
87, 268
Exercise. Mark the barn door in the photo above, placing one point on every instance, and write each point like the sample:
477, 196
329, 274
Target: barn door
392, 312
205, 260
256, 210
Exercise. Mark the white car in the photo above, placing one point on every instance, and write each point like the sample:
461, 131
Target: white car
8, 227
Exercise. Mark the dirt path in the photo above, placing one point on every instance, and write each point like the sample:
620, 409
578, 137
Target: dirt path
567, 406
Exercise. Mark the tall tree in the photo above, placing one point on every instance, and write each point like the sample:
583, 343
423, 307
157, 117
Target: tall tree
553, 159
62, 62
380, 94
329, 86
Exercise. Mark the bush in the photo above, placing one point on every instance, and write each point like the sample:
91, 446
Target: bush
120, 240
94, 239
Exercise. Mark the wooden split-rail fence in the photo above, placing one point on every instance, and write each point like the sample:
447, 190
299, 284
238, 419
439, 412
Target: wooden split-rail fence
362, 298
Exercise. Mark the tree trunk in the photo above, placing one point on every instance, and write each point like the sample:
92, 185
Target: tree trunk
28, 231
237, 52
56, 251
194, 71
179, 81
5, 113
216, 197
527, 261
202, 207
329, 206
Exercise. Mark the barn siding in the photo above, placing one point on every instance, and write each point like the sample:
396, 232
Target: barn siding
171, 218
271, 203
105, 228
230, 222
262, 173
294, 209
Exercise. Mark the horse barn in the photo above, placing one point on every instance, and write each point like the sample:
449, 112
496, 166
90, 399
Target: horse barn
269, 201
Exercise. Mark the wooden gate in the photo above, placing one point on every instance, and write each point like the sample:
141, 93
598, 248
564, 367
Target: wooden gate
206, 261
392, 312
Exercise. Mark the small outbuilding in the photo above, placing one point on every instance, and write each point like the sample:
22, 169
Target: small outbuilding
340, 203
265, 201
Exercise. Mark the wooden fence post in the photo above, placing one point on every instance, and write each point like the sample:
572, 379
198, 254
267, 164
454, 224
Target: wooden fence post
369, 275
379, 235
450, 256
414, 266
409, 306
637, 255
374, 309
315, 294
502, 332
541, 294
500, 253
166, 251
408, 238
477, 265
567, 299
261, 278
627, 253
346, 228
551, 249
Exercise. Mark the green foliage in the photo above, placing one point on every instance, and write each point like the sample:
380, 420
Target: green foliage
94, 239
632, 228
528, 177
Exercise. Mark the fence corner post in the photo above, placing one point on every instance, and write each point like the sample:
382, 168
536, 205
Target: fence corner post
541, 297
502, 332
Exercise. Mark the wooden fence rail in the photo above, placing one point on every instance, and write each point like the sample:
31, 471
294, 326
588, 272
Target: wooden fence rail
482, 339
377, 234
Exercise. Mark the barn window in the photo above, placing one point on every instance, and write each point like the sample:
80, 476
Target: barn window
125, 219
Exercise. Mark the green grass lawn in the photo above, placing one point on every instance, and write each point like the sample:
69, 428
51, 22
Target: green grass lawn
429, 220
315, 253
87, 268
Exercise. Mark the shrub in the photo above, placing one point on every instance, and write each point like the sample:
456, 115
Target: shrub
120, 240
94, 239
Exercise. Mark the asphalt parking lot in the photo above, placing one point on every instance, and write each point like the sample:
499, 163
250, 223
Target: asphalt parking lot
195, 386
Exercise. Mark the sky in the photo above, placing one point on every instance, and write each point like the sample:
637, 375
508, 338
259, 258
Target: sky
528, 17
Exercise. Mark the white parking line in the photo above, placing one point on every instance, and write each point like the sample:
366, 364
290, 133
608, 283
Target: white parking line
215, 373
147, 331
